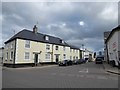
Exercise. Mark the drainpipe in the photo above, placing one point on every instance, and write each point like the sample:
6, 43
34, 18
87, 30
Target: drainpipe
14, 53
52, 53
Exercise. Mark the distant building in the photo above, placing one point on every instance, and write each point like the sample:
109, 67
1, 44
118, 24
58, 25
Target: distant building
112, 44
31, 47
88, 55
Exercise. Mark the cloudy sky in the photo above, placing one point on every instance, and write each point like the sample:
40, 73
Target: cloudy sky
75, 22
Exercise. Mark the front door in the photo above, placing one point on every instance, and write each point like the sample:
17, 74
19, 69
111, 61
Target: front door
36, 59
57, 58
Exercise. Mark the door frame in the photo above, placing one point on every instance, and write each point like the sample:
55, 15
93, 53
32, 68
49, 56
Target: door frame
34, 54
57, 57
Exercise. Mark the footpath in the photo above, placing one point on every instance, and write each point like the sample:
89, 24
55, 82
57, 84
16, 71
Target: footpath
111, 69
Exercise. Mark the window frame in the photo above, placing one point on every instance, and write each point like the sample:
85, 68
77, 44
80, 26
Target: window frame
47, 56
57, 48
7, 55
47, 38
27, 43
47, 46
64, 48
11, 55
26, 56
64, 56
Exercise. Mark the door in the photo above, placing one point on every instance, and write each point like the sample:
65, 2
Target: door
57, 58
36, 59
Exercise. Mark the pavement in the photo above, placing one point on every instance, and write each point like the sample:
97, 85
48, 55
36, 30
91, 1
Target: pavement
110, 69
29, 67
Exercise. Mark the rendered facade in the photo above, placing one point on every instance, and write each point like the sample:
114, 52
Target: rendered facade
31, 47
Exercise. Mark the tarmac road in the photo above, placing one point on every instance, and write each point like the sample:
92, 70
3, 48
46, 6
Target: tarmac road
89, 75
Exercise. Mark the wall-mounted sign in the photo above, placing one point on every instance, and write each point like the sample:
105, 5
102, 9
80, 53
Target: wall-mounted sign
114, 44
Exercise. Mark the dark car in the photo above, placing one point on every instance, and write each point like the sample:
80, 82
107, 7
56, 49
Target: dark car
65, 63
82, 61
76, 61
98, 60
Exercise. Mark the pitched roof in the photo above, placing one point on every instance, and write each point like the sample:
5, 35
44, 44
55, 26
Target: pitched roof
112, 32
29, 35
73, 47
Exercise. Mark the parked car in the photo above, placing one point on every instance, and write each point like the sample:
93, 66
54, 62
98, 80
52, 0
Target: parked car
98, 60
65, 63
81, 61
76, 61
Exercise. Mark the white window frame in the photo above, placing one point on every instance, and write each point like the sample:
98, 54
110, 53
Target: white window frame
12, 46
47, 47
27, 56
56, 47
47, 56
47, 38
11, 55
64, 56
27, 43
7, 55
64, 48
7, 46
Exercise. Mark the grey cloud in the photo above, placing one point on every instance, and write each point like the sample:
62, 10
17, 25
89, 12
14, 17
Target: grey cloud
25, 15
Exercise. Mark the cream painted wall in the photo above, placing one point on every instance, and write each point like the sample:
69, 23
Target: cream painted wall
38, 47
8, 48
113, 51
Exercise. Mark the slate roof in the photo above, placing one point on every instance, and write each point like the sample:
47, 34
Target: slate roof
112, 32
29, 35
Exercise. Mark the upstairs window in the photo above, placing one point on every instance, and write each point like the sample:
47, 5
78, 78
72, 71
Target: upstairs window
7, 46
47, 47
70, 50
64, 56
46, 38
27, 44
64, 48
11, 46
57, 47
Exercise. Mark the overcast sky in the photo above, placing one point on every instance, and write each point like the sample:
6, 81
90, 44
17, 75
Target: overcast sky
75, 22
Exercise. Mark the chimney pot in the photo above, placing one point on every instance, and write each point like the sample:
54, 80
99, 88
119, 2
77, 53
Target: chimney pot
35, 29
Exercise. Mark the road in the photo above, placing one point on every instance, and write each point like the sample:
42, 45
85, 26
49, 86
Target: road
89, 75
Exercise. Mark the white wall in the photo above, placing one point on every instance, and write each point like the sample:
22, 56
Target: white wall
112, 45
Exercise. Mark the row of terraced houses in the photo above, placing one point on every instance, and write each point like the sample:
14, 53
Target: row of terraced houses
31, 47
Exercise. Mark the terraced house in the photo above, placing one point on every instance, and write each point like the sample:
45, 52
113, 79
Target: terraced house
31, 47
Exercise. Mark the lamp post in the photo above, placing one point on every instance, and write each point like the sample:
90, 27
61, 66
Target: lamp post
83, 50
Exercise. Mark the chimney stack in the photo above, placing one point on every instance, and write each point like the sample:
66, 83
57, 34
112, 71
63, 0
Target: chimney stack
35, 29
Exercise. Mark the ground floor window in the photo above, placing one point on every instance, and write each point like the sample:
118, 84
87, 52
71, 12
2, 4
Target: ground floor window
47, 56
27, 55
11, 56
74, 58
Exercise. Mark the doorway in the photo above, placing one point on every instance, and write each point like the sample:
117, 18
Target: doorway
36, 59
57, 58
